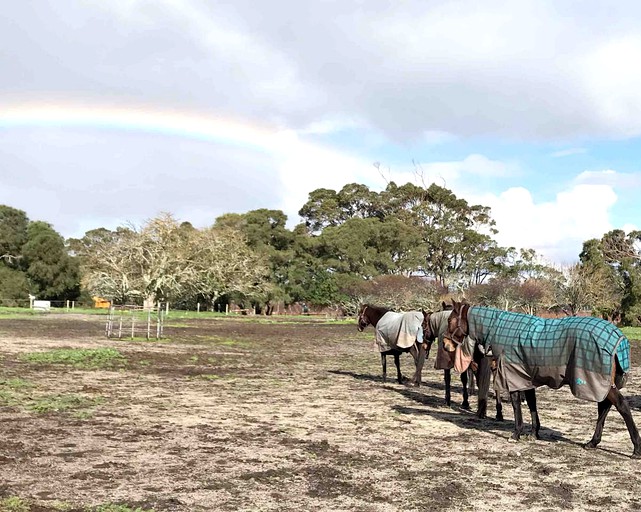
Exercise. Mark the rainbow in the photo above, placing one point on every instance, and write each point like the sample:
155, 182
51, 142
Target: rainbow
140, 119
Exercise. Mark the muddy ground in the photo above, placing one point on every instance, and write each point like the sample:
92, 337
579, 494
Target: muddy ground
235, 414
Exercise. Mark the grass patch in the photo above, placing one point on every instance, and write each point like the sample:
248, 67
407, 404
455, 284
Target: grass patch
78, 357
64, 403
14, 504
15, 384
632, 333
112, 507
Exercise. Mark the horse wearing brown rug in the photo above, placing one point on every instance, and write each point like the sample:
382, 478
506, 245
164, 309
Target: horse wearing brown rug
434, 329
589, 354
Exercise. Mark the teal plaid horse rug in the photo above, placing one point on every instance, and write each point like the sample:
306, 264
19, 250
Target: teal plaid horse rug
398, 330
533, 351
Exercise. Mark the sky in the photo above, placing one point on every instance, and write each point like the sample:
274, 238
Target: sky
112, 112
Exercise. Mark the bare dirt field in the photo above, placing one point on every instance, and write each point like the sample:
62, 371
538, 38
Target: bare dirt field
236, 414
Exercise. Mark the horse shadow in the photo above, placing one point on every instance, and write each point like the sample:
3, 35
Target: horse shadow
634, 402
466, 419
358, 376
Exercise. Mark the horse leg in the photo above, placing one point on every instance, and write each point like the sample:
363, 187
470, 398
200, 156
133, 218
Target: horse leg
384, 364
418, 353
499, 407
464, 381
515, 398
483, 375
530, 398
397, 362
603, 408
448, 380
618, 400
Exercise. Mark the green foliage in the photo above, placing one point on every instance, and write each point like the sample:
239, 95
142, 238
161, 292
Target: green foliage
616, 262
14, 504
81, 358
14, 287
13, 234
112, 507
61, 403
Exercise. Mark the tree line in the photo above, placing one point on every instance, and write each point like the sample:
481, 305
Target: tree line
406, 246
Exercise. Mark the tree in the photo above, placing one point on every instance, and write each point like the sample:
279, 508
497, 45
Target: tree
615, 261
13, 235
223, 263
51, 272
14, 287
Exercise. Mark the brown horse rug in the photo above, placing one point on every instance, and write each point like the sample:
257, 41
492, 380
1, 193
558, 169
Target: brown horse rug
398, 330
438, 325
533, 351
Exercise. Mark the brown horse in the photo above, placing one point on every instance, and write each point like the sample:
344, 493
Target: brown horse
370, 315
588, 354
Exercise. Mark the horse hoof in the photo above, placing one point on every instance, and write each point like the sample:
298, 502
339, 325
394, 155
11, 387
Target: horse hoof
465, 405
515, 437
590, 445
499, 417
636, 455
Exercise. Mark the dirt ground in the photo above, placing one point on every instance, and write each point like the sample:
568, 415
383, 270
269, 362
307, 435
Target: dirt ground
241, 415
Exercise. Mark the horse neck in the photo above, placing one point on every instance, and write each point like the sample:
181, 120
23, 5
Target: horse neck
375, 313
438, 322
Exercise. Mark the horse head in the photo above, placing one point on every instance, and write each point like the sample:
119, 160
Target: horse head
363, 320
457, 326
428, 332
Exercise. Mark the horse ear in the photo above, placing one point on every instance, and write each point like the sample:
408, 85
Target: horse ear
456, 305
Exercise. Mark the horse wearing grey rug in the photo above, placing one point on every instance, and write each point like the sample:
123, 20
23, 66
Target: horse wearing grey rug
398, 332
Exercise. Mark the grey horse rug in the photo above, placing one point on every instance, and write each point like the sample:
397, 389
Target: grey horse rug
533, 351
438, 325
398, 330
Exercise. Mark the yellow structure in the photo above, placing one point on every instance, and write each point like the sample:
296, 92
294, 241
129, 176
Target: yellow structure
99, 302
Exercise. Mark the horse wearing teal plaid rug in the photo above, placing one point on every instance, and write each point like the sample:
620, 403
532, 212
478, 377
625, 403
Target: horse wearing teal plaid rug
589, 354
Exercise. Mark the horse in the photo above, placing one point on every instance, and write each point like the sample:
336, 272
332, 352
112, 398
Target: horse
433, 325
419, 349
434, 328
589, 354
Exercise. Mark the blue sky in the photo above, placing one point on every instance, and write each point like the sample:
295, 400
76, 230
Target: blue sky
111, 112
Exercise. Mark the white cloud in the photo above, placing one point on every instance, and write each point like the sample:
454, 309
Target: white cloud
624, 181
556, 229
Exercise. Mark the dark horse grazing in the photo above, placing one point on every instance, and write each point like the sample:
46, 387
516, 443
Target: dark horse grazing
589, 354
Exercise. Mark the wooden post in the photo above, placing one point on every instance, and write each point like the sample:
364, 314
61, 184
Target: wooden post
120, 327
158, 322
198, 307
67, 304
148, 322
227, 308
133, 322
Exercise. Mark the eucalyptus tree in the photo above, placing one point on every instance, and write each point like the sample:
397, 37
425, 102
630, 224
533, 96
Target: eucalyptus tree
615, 260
